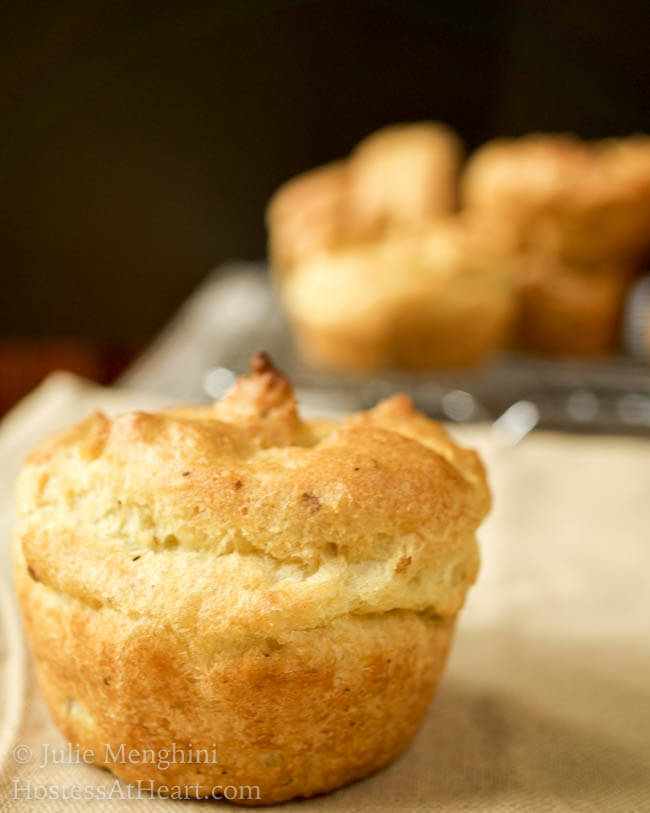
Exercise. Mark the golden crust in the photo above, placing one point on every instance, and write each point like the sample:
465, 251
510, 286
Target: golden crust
585, 202
570, 310
441, 297
402, 177
530, 172
231, 574
305, 215
399, 177
295, 715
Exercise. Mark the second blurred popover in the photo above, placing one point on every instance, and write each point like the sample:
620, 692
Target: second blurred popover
587, 202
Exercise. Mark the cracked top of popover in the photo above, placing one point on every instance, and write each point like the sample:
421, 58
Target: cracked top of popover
240, 519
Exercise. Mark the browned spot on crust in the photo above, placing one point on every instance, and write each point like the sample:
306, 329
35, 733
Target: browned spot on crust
272, 383
186, 473
403, 563
32, 573
238, 484
261, 363
311, 501
266, 393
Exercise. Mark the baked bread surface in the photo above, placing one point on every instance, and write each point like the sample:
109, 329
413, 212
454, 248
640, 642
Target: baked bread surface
306, 215
566, 309
400, 177
233, 577
586, 201
442, 296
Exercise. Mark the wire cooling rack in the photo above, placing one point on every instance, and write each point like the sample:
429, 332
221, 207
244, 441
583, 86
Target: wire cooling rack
234, 313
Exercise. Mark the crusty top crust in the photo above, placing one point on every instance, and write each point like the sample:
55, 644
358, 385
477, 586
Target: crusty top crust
239, 519
306, 215
538, 171
454, 260
402, 176
585, 202
399, 178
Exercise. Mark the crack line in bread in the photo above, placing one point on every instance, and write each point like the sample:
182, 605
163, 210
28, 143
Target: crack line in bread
428, 612
123, 575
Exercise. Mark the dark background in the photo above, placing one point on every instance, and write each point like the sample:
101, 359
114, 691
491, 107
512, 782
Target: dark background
141, 140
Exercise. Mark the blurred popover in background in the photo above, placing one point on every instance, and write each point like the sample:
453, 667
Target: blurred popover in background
398, 256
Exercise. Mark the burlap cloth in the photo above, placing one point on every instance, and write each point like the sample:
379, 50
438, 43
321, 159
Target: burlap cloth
545, 705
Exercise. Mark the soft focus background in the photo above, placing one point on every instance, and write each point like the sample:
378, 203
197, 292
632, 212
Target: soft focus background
141, 141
